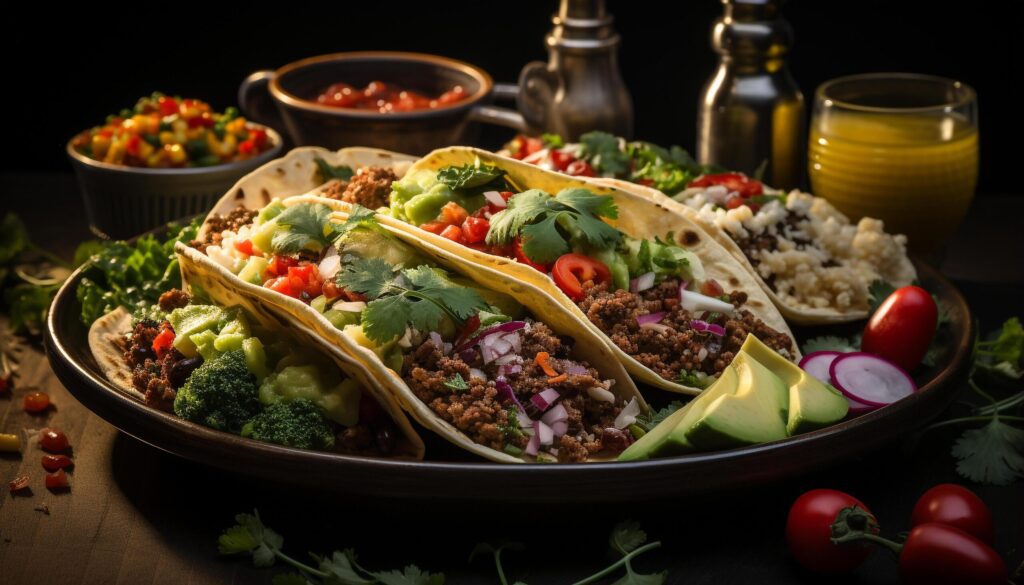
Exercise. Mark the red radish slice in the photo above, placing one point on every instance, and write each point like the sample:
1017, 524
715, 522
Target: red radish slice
869, 379
817, 364
859, 407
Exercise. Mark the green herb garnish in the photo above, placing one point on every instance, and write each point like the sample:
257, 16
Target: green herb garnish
548, 224
457, 383
878, 291
473, 177
603, 152
309, 226
328, 171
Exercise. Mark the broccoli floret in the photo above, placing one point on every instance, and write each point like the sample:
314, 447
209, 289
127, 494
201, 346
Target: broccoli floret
295, 423
221, 394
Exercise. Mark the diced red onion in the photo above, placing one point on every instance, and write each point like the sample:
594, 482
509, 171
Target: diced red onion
536, 156
330, 265
574, 369
641, 283
545, 398
600, 394
698, 325
495, 199
558, 413
525, 422
650, 318
712, 328
506, 359
435, 338
559, 428
509, 369
349, 306
475, 373
694, 301
533, 447
663, 329
682, 289
467, 355
544, 432
628, 414
499, 328
505, 392
716, 329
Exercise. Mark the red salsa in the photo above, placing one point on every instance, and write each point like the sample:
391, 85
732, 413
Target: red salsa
386, 97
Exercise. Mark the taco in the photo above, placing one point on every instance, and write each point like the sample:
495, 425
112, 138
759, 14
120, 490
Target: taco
219, 359
815, 264
487, 361
674, 305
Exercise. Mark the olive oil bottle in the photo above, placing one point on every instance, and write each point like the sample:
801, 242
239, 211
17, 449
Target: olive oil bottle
751, 112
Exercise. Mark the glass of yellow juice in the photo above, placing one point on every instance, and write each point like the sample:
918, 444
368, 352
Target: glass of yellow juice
899, 147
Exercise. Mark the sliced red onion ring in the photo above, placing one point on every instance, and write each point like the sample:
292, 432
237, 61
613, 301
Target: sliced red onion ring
712, 328
641, 283
817, 364
716, 330
505, 392
495, 199
545, 398
558, 413
499, 328
650, 318
869, 379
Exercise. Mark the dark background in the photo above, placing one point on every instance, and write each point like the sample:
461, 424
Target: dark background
66, 70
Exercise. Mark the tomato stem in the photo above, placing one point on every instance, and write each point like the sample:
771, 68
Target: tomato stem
858, 536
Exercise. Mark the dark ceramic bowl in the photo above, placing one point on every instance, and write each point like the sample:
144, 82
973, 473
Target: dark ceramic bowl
121, 201
452, 474
286, 98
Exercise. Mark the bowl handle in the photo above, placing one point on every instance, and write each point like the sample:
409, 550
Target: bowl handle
256, 102
500, 116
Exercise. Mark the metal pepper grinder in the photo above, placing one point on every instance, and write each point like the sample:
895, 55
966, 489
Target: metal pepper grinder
580, 88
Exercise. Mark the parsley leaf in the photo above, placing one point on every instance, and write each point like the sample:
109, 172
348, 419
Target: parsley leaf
552, 140
649, 420
457, 383
878, 291
626, 537
342, 567
386, 318
368, 276
359, 217
1008, 346
411, 575
477, 177
602, 151
309, 226
993, 454
13, 237
251, 536
328, 171
831, 343
548, 224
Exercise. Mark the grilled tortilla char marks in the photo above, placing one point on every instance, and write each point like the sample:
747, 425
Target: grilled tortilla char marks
370, 187
678, 349
217, 224
480, 415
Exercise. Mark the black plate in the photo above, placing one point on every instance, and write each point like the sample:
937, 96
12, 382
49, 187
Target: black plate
448, 473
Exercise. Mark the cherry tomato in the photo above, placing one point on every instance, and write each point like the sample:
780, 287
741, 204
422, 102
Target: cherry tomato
580, 168
452, 214
561, 160
572, 270
737, 182
453, 233
955, 505
902, 327
163, 342
809, 532
711, 288
53, 440
939, 554
523, 146
522, 258
55, 462
57, 481
36, 402
18, 484
474, 229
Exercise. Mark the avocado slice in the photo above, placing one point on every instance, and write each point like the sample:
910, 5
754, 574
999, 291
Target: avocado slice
812, 404
669, 437
756, 413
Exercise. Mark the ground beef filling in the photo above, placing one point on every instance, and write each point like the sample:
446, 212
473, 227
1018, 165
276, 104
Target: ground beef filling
676, 350
158, 378
481, 415
753, 245
370, 187
217, 224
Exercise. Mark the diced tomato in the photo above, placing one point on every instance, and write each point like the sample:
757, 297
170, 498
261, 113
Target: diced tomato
304, 272
331, 290
18, 484
258, 136
645, 182
168, 105
163, 342
279, 265
204, 120
55, 462
711, 288
737, 182
453, 233
132, 145
581, 168
452, 214
522, 258
523, 146
506, 195
434, 227
306, 278
36, 402
572, 270
474, 230
283, 285
57, 481
53, 440
246, 147
561, 160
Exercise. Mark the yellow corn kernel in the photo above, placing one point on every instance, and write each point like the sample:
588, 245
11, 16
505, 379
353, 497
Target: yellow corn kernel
235, 126
175, 153
100, 145
179, 126
157, 159
166, 137
229, 145
213, 143
9, 443
115, 155
145, 149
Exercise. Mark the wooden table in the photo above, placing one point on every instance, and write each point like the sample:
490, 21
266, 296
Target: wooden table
137, 515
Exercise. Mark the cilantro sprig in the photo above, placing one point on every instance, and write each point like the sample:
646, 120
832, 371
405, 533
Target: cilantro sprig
327, 171
309, 226
402, 297
547, 225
